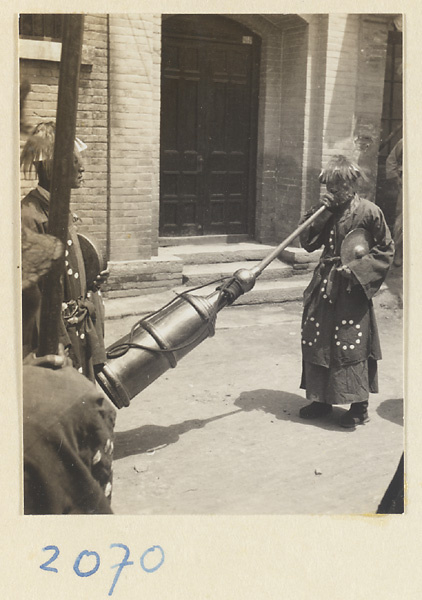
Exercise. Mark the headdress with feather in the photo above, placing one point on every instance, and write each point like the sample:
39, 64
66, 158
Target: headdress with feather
340, 167
39, 147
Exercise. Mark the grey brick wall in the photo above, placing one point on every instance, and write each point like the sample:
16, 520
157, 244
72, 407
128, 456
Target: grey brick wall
90, 201
134, 136
320, 93
372, 55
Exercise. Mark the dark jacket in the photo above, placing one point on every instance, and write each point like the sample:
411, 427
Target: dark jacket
82, 327
68, 443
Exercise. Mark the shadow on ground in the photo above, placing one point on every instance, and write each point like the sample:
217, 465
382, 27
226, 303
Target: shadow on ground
392, 410
153, 437
281, 405
285, 406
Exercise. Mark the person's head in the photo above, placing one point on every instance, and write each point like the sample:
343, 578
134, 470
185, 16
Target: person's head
340, 176
78, 169
38, 153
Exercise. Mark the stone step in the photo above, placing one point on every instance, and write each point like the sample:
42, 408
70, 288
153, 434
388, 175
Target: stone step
264, 292
192, 254
200, 240
273, 292
201, 274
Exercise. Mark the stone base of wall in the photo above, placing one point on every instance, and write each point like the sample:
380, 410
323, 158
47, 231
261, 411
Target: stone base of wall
140, 277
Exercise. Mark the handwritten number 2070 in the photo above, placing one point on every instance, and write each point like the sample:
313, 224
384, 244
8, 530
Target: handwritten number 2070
88, 562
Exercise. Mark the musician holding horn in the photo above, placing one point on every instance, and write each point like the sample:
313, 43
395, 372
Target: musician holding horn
340, 343
82, 324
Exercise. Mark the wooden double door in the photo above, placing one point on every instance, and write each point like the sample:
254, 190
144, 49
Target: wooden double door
208, 127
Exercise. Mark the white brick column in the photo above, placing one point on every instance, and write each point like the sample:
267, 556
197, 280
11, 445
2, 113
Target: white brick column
135, 49
314, 109
340, 84
354, 83
133, 136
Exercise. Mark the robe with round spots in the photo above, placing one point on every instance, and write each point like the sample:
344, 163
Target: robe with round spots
338, 323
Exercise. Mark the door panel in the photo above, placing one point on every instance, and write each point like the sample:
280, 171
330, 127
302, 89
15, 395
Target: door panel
180, 139
228, 126
207, 136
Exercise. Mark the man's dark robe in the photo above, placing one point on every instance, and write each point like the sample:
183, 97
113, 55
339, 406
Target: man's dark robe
82, 327
338, 324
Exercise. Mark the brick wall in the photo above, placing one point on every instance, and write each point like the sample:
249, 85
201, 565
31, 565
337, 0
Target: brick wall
355, 67
320, 93
292, 132
340, 85
156, 95
281, 123
122, 216
90, 201
135, 63
268, 138
314, 109
134, 137
369, 97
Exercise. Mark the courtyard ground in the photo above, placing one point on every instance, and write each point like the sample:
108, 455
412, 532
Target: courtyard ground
221, 433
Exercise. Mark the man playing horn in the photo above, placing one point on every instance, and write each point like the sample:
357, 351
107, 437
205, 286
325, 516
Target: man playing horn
340, 343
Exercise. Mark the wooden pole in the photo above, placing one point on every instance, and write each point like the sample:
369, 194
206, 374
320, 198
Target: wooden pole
67, 105
257, 270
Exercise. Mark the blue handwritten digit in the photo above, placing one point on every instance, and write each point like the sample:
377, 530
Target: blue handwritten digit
45, 566
152, 549
78, 561
125, 562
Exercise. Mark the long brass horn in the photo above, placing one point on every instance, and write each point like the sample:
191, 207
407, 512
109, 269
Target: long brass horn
157, 342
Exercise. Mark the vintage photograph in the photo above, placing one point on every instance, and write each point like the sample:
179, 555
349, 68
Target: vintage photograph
212, 263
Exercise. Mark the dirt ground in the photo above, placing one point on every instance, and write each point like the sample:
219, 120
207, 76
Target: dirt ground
221, 434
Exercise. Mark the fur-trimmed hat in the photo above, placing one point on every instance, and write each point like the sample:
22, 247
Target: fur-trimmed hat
39, 251
340, 167
39, 147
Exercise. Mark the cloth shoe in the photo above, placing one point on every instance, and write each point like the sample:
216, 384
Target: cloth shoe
315, 410
356, 415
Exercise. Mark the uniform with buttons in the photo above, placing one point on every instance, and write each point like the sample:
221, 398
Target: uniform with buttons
82, 329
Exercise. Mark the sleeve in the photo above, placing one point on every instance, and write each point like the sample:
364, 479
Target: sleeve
29, 219
68, 444
372, 269
314, 236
